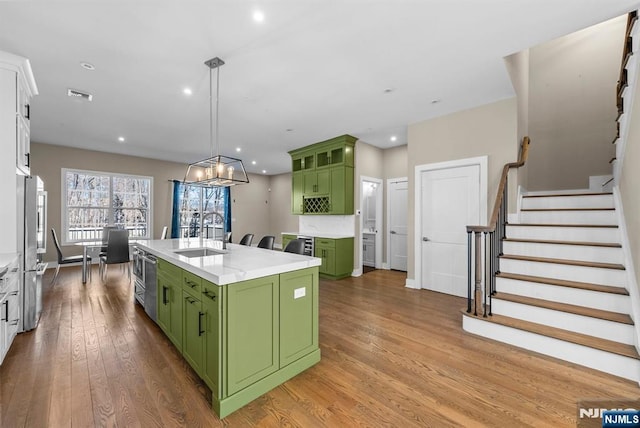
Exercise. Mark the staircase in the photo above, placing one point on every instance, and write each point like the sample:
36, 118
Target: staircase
561, 289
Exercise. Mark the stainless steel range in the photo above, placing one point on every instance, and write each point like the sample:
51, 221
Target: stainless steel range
144, 270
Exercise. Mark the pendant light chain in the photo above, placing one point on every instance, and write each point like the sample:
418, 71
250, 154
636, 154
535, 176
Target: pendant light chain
217, 110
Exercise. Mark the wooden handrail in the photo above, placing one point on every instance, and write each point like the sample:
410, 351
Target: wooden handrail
626, 53
493, 222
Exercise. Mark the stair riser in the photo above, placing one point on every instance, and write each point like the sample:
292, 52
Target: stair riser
603, 329
573, 296
590, 201
612, 277
578, 234
567, 252
607, 362
568, 217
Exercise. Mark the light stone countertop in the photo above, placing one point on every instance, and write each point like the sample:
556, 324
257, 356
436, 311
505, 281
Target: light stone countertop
319, 235
237, 263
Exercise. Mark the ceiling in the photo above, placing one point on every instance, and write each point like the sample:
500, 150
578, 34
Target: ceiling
312, 70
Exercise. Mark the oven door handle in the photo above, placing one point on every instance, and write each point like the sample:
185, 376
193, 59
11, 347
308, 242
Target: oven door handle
147, 259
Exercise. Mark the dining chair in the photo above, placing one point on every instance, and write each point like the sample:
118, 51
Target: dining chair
295, 246
267, 242
105, 237
164, 233
117, 252
246, 239
62, 260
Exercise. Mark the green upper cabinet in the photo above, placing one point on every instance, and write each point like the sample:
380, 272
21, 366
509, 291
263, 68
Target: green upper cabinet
322, 179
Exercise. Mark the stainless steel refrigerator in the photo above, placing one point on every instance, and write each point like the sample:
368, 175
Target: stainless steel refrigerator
30, 217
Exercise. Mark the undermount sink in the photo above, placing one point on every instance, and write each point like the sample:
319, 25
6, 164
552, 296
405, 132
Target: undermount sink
200, 252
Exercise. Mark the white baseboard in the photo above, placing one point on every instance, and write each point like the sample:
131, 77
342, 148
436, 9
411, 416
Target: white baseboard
411, 283
357, 272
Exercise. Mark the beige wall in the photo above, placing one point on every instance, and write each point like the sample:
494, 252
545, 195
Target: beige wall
48, 160
572, 106
486, 130
518, 68
629, 181
281, 219
250, 208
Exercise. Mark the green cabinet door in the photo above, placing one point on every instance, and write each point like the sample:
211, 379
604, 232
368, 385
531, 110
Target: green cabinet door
298, 314
162, 308
297, 193
193, 331
170, 302
251, 311
175, 319
336, 255
211, 366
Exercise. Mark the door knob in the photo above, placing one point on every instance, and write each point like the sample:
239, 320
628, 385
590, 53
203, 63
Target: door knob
425, 239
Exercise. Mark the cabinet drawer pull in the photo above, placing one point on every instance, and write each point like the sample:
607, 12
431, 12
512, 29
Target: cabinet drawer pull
200, 331
28, 116
164, 295
210, 295
28, 160
191, 283
6, 311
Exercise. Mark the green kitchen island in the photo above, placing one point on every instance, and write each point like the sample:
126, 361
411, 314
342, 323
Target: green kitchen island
244, 318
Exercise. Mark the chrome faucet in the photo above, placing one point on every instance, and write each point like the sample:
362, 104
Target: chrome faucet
224, 239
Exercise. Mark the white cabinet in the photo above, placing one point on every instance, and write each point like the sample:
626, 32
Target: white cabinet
9, 305
17, 86
369, 249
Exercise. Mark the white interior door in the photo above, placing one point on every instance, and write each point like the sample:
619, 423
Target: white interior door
397, 203
450, 201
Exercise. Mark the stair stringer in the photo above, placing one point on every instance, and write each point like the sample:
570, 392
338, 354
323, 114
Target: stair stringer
632, 284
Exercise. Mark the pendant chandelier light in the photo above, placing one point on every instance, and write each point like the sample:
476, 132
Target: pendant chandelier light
216, 170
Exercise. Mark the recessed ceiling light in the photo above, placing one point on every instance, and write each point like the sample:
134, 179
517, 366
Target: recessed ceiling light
258, 16
394, 138
289, 129
253, 162
121, 139
436, 101
87, 66
238, 149
388, 90
264, 171
187, 91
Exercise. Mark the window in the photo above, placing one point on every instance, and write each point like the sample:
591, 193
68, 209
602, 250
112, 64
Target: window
92, 200
201, 211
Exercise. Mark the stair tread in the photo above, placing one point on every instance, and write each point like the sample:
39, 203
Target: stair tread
562, 225
565, 283
568, 209
565, 307
564, 335
548, 241
553, 195
564, 261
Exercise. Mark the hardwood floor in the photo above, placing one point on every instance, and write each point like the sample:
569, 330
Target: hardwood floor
391, 356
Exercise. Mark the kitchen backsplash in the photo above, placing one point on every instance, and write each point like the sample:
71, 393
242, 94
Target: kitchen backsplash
334, 224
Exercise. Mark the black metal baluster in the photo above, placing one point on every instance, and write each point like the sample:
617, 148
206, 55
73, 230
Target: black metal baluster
468, 271
486, 278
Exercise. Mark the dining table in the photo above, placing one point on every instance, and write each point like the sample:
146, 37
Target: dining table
86, 245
